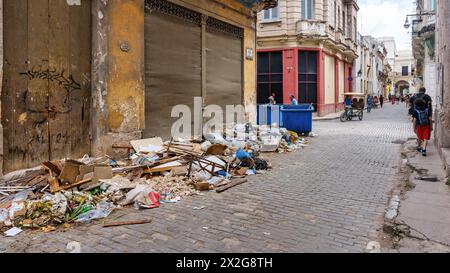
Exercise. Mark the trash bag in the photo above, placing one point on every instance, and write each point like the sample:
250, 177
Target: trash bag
261, 164
241, 154
143, 197
102, 210
4, 215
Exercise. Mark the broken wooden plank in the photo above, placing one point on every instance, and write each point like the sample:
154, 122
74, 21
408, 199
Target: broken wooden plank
231, 185
77, 184
53, 167
54, 185
127, 223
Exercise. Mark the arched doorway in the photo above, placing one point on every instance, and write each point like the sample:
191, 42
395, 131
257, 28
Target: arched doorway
402, 87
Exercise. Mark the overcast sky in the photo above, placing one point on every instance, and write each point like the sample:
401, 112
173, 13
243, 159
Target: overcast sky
381, 18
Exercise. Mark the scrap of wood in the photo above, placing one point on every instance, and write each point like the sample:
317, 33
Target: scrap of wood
77, 184
183, 150
53, 167
232, 184
54, 185
37, 180
27, 178
127, 223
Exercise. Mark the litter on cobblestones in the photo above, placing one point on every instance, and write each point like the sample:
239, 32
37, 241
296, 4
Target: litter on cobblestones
155, 173
127, 223
13, 232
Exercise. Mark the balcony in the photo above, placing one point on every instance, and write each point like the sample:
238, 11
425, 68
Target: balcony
312, 29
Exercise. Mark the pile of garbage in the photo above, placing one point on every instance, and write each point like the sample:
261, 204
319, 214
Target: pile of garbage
66, 192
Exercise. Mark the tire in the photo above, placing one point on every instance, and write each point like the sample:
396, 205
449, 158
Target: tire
361, 115
343, 117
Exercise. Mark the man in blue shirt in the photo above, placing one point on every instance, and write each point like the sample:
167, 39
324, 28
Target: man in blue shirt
369, 103
348, 105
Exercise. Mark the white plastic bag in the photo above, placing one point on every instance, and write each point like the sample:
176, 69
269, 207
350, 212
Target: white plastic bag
102, 210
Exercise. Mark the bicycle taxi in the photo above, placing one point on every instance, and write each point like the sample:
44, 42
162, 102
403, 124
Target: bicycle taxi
357, 109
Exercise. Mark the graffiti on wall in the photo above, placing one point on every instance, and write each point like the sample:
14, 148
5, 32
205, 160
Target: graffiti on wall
68, 83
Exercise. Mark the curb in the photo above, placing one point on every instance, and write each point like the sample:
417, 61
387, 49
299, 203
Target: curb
325, 119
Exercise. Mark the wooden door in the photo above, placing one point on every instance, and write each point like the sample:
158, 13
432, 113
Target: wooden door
46, 85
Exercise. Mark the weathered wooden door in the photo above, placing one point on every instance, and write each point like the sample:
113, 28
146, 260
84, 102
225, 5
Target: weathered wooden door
46, 83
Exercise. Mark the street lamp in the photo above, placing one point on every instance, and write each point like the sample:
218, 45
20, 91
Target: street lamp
407, 23
420, 15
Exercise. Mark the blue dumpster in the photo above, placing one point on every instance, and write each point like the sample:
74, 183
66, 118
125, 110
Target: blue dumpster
269, 114
298, 118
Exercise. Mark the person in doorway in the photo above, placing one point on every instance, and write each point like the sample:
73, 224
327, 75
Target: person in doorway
381, 100
369, 103
272, 99
423, 119
294, 100
398, 97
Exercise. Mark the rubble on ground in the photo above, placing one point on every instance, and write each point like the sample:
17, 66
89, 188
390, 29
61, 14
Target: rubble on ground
62, 193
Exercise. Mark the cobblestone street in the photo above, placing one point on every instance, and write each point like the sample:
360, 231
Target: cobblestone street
329, 197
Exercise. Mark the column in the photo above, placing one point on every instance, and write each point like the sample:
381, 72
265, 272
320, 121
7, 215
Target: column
117, 75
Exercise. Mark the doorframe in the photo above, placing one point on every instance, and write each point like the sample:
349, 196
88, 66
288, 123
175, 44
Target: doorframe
1, 88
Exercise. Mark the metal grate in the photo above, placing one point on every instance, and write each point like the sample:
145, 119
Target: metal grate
213, 24
171, 9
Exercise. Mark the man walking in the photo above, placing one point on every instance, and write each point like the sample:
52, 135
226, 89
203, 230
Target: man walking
369, 103
381, 101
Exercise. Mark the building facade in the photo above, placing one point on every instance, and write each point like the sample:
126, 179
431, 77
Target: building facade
392, 53
423, 44
83, 77
307, 48
442, 116
372, 67
405, 78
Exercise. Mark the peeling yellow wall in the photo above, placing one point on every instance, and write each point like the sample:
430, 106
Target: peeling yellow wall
125, 84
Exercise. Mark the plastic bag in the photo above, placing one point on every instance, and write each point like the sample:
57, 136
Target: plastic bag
4, 215
102, 210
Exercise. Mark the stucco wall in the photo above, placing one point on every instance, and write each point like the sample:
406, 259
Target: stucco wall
118, 66
117, 73
341, 81
329, 79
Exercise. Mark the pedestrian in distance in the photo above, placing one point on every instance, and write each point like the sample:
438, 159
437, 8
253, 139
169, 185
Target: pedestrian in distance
293, 100
381, 101
424, 122
272, 99
369, 103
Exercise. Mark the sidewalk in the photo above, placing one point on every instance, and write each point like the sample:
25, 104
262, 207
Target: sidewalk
425, 210
331, 116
